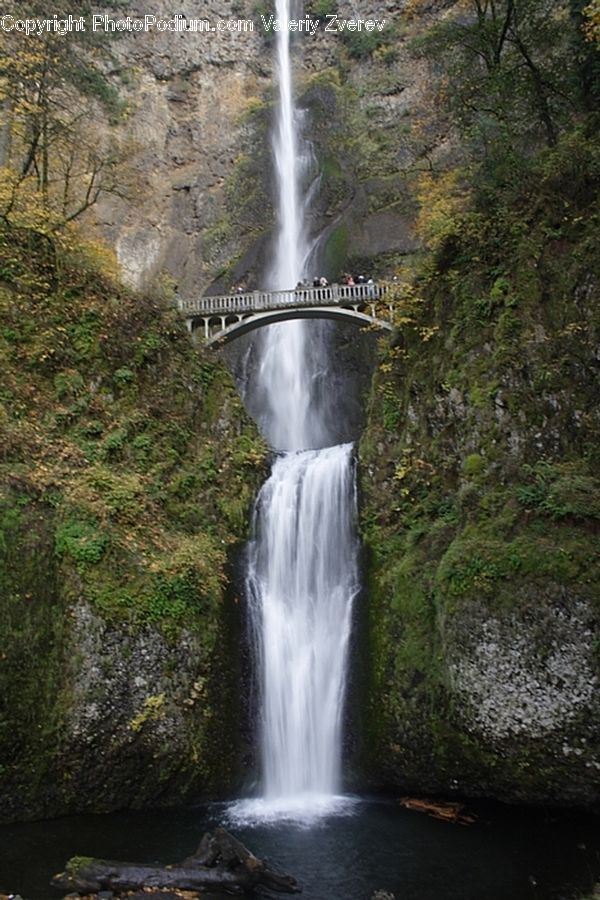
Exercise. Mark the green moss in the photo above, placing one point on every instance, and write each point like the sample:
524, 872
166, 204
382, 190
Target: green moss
335, 251
76, 864
32, 622
151, 710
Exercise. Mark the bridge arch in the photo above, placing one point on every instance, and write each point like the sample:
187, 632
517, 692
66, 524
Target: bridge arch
250, 322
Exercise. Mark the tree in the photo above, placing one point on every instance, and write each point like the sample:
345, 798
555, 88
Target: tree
506, 67
57, 154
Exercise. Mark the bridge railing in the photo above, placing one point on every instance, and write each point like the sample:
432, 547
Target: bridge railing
255, 301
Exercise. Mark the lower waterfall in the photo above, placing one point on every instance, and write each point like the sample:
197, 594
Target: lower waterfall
302, 578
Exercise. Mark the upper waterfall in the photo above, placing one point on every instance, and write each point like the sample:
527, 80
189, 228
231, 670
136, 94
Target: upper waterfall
290, 156
283, 378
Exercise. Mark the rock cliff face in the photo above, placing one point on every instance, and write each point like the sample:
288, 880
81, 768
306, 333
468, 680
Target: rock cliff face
199, 204
480, 515
199, 187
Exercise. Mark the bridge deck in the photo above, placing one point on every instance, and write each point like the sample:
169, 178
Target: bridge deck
257, 301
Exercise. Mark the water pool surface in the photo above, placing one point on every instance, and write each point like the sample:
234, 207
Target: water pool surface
508, 854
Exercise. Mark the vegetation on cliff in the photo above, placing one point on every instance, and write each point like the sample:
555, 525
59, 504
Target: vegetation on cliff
127, 471
481, 495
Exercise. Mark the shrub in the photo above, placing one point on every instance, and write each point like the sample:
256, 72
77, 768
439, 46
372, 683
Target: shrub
319, 9
82, 540
361, 44
473, 465
123, 376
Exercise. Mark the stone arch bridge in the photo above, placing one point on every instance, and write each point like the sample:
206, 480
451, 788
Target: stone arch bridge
223, 318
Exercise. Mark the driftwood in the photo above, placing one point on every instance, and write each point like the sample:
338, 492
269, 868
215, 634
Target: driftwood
221, 862
445, 811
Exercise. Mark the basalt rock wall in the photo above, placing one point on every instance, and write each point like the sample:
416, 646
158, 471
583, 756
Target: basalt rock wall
197, 204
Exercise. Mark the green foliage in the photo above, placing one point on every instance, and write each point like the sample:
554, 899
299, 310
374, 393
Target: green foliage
387, 54
509, 69
67, 384
145, 474
335, 252
473, 465
114, 442
362, 44
561, 491
172, 598
123, 375
84, 334
82, 540
93, 428
477, 566
120, 494
319, 9
147, 347
577, 496
390, 413
10, 519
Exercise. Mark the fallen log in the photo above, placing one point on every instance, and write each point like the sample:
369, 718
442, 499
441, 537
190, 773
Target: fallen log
221, 862
445, 811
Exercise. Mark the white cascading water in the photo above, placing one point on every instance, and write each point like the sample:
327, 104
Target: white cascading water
282, 375
302, 563
302, 579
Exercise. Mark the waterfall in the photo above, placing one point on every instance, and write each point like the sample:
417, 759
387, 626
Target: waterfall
290, 156
302, 577
302, 573
283, 380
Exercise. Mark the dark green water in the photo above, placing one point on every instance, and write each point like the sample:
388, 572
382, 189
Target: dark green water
509, 854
